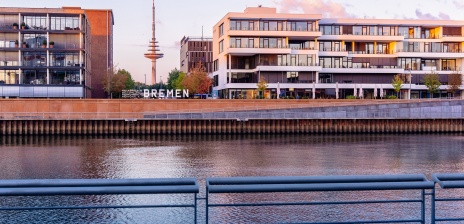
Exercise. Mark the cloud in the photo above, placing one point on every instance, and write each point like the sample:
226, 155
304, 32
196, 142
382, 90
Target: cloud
428, 16
327, 8
459, 4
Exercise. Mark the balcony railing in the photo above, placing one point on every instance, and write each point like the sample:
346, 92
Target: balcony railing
368, 66
247, 46
283, 29
433, 51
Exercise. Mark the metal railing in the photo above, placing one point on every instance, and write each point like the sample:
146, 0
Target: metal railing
411, 190
447, 181
351, 184
67, 187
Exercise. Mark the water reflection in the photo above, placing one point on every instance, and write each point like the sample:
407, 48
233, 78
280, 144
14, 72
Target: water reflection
224, 155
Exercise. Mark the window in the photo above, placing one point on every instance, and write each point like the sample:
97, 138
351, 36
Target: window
221, 46
215, 65
221, 30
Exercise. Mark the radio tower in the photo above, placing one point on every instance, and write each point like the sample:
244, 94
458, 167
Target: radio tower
152, 53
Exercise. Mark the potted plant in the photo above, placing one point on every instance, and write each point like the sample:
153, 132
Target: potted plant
24, 44
44, 43
16, 43
23, 25
15, 26
52, 44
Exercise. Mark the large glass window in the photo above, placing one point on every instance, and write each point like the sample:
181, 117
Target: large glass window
9, 77
34, 59
221, 46
221, 30
36, 22
409, 63
65, 77
448, 64
35, 77
64, 23
34, 40
62, 59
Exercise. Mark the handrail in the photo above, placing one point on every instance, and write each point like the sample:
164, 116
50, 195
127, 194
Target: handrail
67, 187
447, 181
228, 185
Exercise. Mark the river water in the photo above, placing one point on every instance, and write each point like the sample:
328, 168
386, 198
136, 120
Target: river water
208, 156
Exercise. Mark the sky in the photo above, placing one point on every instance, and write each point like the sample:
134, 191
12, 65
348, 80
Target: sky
178, 18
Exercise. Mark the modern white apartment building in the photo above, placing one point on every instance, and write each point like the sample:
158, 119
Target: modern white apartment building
305, 55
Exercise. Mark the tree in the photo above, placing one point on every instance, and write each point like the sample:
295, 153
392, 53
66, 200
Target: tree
454, 82
177, 84
116, 80
397, 83
172, 78
197, 81
262, 86
432, 82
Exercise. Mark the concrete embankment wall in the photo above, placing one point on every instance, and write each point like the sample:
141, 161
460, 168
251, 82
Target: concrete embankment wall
264, 126
134, 117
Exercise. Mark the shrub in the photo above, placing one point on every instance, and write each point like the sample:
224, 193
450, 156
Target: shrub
392, 97
44, 42
52, 43
15, 24
350, 97
23, 24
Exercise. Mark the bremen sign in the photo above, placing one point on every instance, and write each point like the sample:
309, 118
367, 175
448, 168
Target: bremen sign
168, 93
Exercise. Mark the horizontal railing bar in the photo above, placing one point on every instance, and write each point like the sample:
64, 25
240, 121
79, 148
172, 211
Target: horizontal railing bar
97, 182
451, 219
319, 187
378, 221
97, 207
312, 203
316, 179
102, 190
449, 199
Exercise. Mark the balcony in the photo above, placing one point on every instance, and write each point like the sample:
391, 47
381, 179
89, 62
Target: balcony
244, 50
426, 54
300, 67
333, 52
363, 69
362, 37
306, 34
452, 38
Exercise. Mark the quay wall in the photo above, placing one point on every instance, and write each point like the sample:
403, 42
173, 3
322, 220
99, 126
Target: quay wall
222, 126
148, 116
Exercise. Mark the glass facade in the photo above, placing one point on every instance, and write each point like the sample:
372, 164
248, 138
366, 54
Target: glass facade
34, 69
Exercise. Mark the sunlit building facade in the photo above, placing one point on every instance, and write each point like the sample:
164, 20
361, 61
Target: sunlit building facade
54, 52
307, 56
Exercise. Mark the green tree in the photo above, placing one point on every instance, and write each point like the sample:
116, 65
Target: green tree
432, 82
130, 83
261, 87
454, 82
172, 77
197, 81
116, 80
177, 84
397, 83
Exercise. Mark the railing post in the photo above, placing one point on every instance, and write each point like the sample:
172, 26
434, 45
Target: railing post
432, 210
423, 207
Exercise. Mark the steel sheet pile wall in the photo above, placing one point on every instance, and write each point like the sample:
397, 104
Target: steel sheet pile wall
264, 126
